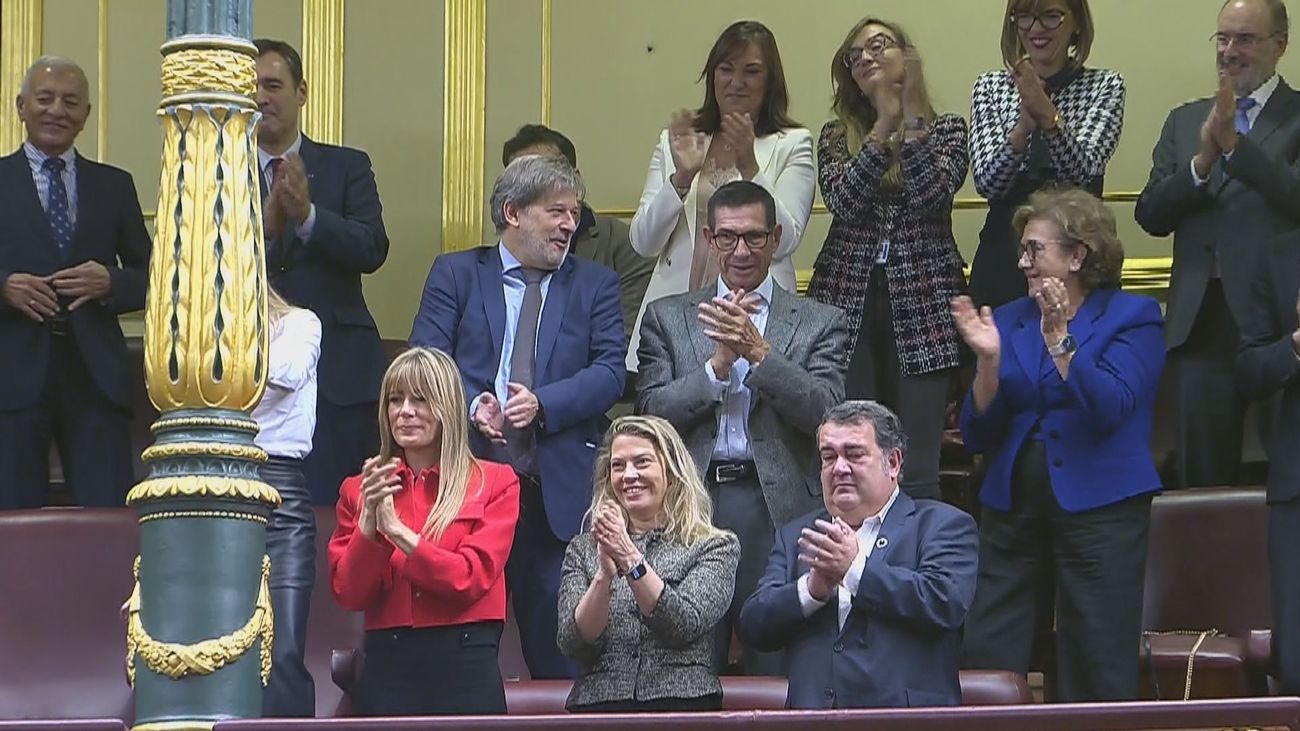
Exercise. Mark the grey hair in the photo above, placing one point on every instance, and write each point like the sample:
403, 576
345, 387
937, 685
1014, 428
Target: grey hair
888, 428
54, 63
526, 179
1277, 15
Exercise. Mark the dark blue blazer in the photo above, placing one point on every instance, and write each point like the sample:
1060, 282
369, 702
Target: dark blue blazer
110, 230
1096, 424
579, 370
901, 645
323, 274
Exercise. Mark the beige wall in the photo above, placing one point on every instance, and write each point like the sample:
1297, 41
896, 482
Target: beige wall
619, 67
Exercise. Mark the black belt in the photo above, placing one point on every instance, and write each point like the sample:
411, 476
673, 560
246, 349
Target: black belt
59, 325
720, 473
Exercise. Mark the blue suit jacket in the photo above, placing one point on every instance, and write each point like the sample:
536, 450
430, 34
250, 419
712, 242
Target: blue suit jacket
579, 370
323, 273
901, 645
1096, 424
110, 230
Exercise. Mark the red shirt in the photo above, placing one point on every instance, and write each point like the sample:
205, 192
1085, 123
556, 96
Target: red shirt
457, 579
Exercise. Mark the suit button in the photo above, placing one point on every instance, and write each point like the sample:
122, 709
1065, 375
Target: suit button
839, 647
828, 693
1054, 434
1057, 462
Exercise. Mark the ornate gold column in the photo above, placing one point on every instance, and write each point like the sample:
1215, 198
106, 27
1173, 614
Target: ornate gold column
20, 44
464, 95
322, 58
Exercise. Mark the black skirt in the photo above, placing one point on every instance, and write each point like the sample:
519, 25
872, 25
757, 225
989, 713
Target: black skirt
431, 671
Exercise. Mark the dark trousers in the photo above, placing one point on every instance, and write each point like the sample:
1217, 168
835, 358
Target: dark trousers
291, 544
1284, 573
659, 705
92, 433
430, 671
920, 401
346, 436
533, 578
739, 507
1089, 565
1211, 412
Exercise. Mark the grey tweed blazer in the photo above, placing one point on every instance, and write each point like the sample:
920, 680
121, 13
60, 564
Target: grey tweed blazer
790, 391
668, 654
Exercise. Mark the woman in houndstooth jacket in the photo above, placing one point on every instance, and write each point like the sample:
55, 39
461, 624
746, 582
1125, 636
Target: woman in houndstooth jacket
889, 168
1044, 119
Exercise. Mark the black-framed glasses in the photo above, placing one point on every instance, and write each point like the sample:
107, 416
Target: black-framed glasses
755, 240
1050, 20
1223, 41
1033, 247
874, 47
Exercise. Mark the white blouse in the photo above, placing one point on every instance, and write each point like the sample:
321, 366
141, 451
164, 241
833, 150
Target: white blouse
287, 412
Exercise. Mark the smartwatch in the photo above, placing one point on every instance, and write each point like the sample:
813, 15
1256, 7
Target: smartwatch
1065, 347
636, 572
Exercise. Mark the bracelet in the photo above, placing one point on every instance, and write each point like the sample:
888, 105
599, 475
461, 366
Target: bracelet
915, 124
1056, 125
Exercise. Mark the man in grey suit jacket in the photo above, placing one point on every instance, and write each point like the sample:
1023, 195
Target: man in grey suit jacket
1224, 180
869, 593
745, 370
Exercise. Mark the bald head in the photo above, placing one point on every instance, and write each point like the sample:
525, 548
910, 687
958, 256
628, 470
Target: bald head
54, 103
1250, 40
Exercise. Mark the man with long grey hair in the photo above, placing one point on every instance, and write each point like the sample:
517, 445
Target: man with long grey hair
867, 595
538, 337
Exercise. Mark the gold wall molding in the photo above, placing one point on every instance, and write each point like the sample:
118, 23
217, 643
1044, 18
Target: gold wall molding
974, 203
21, 26
101, 87
464, 97
322, 52
547, 16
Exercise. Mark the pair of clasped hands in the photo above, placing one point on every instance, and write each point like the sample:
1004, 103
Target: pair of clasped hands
289, 199
1219, 131
980, 332
1037, 112
37, 297
614, 548
726, 321
689, 147
490, 417
378, 514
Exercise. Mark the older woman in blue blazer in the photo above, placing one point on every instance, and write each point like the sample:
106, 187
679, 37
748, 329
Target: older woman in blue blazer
1061, 407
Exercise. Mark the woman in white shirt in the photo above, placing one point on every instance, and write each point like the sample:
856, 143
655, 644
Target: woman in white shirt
287, 418
742, 131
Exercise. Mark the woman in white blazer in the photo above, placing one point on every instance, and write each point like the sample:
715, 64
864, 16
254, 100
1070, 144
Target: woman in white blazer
741, 131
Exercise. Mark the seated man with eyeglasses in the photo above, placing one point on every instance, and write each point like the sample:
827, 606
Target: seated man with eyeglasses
745, 370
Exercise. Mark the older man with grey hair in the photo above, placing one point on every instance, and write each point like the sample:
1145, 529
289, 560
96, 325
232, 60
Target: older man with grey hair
538, 337
867, 595
74, 254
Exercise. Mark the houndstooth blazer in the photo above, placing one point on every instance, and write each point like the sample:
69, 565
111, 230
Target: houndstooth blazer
923, 268
1092, 116
667, 654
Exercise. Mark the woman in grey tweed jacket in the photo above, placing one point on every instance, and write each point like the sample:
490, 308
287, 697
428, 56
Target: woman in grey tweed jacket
642, 590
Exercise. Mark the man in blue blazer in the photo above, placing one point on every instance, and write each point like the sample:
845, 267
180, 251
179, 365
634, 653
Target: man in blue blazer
324, 229
74, 254
538, 337
867, 596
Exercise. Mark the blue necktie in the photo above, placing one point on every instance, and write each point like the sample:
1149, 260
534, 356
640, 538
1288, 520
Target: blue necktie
1244, 104
56, 205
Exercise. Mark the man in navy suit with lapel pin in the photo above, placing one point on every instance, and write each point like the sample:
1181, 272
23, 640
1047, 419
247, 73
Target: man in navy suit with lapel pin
74, 254
869, 595
538, 337
324, 229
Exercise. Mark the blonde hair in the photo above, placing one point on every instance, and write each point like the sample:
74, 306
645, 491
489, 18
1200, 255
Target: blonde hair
688, 511
432, 375
1080, 44
1081, 217
276, 306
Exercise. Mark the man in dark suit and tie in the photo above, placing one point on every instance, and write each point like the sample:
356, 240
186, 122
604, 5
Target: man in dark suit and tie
745, 370
1224, 180
324, 229
1268, 364
74, 254
538, 337
868, 595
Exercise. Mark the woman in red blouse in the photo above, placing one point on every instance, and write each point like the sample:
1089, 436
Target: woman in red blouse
421, 545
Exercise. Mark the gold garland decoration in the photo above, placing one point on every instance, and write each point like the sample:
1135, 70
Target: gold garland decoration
204, 449
207, 656
203, 486
165, 422
208, 69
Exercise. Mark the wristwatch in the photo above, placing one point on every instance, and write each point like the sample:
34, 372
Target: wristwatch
636, 572
1065, 347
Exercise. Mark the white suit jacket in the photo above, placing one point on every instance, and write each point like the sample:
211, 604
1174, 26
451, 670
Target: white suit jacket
664, 225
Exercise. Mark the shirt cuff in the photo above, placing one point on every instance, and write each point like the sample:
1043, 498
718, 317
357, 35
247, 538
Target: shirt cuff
853, 577
807, 603
307, 226
473, 406
1196, 178
716, 387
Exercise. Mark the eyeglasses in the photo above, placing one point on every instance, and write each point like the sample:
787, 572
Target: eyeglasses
1050, 20
1033, 247
755, 240
875, 46
1223, 41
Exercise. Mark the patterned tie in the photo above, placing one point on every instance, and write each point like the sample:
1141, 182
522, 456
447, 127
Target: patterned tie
1244, 104
273, 171
521, 442
56, 207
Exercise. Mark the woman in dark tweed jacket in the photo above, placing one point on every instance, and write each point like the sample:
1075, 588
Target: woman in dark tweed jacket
642, 590
889, 167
